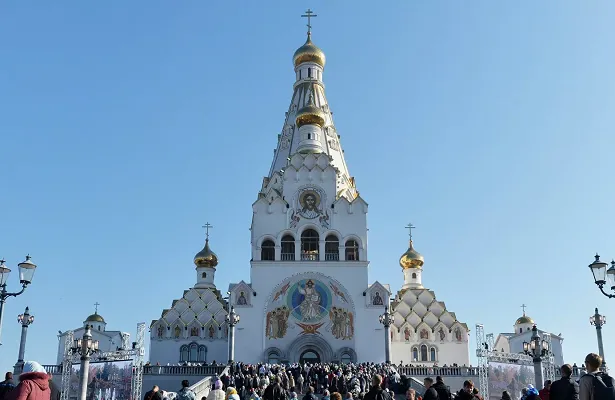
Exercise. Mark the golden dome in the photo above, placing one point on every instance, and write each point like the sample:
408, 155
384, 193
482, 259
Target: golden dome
206, 257
309, 52
310, 114
524, 320
95, 318
411, 258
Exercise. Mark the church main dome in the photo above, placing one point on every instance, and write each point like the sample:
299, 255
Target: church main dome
309, 52
206, 257
95, 318
411, 258
524, 320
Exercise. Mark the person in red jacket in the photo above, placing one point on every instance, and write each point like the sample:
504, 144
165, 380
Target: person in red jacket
33, 383
545, 392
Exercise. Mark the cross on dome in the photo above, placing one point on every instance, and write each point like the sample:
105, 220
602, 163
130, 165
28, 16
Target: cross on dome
207, 227
96, 307
309, 14
523, 307
410, 227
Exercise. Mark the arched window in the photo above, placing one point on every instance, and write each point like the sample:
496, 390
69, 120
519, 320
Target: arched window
332, 248
202, 353
288, 248
183, 354
424, 353
415, 354
414, 275
346, 358
268, 250
194, 352
432, 354
352, 250
204, 275
274, 358
309, 245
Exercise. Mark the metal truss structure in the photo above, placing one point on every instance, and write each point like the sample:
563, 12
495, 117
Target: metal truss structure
549, 361
67, 366
137, 363
485, 352
482, 353
128, 352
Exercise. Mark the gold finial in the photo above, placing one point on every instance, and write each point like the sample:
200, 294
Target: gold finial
207, 227
410, 227
206, 257
523, 307
96, 307
309, 14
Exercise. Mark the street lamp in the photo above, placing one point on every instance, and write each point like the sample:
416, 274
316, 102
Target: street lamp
598, 321
387, 319
85, 346
602, 275
26, 273
25, 320
232, 319
537, 348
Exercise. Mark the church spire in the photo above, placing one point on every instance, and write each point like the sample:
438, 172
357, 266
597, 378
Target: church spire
308, 127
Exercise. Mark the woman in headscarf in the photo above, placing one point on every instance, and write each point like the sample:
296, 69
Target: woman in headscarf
33, 383
217, 393
231, 394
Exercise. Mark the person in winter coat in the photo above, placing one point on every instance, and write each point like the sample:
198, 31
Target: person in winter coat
231, 394
430, 392
310, 394
440, 387
565, 388
33, 383
217, 393
7, 385
185, 393
376, 392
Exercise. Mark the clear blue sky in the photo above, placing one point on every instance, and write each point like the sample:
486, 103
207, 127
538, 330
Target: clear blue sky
124, 126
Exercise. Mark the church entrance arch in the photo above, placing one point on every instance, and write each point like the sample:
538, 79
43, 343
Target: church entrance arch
310, 357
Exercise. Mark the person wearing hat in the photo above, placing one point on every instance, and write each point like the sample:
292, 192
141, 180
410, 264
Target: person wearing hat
33, 383
217, 393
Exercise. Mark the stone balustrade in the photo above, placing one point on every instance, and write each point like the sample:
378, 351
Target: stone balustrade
199, 370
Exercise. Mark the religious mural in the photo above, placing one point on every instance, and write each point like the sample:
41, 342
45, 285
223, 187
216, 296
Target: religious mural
377, 299
309, 205
310, 304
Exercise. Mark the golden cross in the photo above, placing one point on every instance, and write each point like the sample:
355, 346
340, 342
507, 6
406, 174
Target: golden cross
309, 14
207, 226
409, 227
96, 307
523, 307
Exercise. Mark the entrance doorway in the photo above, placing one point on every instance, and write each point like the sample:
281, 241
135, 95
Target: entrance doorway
309, 356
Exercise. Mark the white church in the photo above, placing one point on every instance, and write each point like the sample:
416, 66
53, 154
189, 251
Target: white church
308, 296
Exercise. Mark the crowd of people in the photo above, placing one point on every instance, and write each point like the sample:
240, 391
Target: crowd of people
370, 381
366, 381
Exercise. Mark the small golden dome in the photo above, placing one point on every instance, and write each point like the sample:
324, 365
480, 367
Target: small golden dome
95, 318
310, 114
411, 258
524, 320
309, 52
206, 257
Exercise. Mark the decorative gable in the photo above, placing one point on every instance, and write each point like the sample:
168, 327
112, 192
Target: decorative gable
377, 295
241, 295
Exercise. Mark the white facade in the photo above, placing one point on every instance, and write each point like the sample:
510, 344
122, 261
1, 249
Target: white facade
309, 295
107, 340
513, 342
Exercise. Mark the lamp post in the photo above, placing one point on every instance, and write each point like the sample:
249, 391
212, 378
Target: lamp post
26, 273
232, 319
537, 349
602, 276
387, 319
598, 321
25, 320
85, 347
